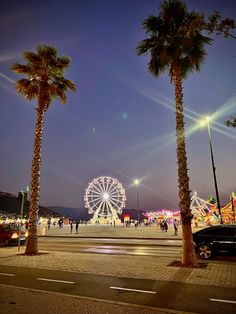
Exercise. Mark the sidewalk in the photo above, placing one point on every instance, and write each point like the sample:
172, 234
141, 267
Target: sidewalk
148, 267
216, 273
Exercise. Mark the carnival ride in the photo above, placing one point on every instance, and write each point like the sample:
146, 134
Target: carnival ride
105, 198
204, 212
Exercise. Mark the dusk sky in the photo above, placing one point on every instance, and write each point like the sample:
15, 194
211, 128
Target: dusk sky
121, 120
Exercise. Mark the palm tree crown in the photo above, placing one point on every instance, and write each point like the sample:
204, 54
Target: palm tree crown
44, 71
174, 37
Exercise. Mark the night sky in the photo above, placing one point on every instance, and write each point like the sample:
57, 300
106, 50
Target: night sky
121, 121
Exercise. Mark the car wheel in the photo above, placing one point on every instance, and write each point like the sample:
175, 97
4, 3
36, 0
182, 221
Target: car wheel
204, 251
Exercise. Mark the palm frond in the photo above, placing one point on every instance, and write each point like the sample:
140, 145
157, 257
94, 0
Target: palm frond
231, 122
27, 88
70, 85
63, 62
145, 45
60, 93
20, 68
31, 57
153, 24
47, 53
173, 13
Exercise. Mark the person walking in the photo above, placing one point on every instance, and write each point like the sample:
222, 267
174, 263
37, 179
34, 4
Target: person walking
162, 226
175, 224
165, 225
77, 227
71, 226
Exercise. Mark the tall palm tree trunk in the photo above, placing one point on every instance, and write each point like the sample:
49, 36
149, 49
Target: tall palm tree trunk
32, 245
189, 256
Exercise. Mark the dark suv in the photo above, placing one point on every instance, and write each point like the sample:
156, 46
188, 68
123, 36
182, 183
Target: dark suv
215, 240
9, 234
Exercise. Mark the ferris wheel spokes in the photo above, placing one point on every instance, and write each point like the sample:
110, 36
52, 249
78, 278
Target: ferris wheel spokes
111, 202
105, 197
95, 205
112, 186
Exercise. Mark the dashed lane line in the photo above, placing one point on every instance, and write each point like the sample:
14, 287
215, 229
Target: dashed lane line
5, 274
223, 301
54, 280
133, 290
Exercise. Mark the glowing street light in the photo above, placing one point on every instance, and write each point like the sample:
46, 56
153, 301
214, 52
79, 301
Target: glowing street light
137, 182
203, 122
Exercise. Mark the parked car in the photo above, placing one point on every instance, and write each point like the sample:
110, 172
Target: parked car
215, 240
9, 234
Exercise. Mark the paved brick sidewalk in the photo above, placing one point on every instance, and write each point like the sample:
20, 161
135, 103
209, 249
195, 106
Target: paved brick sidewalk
216, 273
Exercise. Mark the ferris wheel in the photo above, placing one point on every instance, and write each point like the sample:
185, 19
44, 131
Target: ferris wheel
105, 197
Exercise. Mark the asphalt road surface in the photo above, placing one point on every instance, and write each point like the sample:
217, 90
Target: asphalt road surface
162, 294
162, 247
170, 248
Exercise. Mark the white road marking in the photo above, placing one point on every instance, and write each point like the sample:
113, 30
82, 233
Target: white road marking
5, 274
86, 298
135, 290
100, 250
224, 301
53, 280
135, 252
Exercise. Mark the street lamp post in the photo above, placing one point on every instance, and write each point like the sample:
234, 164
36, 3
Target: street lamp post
23, 197
136, 182
21, 214
207, 120
232, 205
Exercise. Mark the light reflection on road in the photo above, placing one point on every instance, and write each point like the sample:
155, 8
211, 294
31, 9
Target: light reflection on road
114, 246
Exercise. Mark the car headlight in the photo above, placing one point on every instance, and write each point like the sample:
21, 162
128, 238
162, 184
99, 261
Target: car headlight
14, 235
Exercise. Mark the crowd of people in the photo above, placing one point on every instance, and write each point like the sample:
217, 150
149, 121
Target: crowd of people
162, 224
76, 226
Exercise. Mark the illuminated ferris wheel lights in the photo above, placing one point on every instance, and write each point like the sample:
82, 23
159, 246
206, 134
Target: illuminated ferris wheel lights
105, 196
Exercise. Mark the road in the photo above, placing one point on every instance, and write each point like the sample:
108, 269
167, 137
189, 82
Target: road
163, 247
145, 247
162, 294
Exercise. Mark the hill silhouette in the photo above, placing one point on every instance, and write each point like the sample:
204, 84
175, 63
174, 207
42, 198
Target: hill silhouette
82, 213
9, 204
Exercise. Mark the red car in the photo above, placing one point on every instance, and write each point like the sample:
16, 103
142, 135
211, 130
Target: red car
9, 234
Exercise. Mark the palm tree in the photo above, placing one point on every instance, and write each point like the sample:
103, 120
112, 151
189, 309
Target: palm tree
44, 81
231, 122
175, 44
